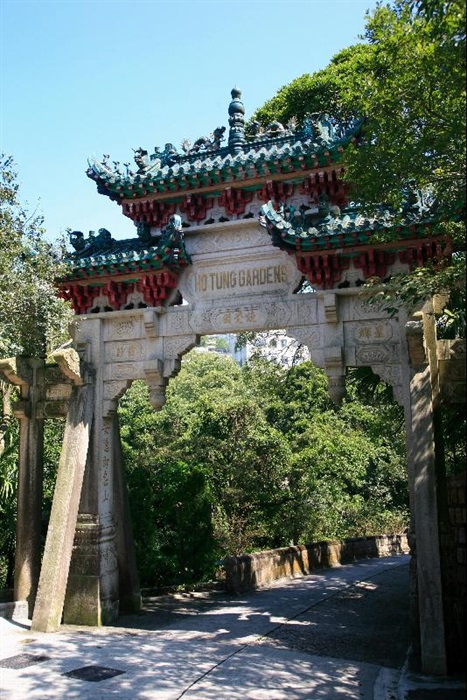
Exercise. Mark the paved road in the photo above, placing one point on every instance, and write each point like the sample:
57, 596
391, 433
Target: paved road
338, 634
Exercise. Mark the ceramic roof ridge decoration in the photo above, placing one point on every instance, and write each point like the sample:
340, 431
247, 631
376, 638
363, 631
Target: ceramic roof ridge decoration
289, 177
318, 142
102, 253
328, 225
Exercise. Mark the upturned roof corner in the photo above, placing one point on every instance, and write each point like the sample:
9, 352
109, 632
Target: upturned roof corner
288, 177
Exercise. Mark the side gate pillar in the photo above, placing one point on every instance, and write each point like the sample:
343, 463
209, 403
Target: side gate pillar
430, 646
28, 374
102, 579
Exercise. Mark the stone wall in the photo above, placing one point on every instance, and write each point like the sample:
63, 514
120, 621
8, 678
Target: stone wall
15, 610
453, 552
250, 571
457, 517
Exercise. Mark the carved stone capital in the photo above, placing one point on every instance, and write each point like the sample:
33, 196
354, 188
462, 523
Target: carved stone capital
151, 321
415, 344
334, 357
157, 393
68, 361
16, 370
157, 383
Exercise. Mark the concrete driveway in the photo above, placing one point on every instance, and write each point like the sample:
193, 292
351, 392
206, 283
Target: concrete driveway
339, 633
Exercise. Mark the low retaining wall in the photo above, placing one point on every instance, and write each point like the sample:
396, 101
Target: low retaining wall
17, 610
249, 571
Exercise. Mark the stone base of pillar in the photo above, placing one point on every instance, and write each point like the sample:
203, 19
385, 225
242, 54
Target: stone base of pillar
92, 596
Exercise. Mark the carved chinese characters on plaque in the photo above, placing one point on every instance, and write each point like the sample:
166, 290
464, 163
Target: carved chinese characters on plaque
260, 277
124, 352
374, 332
123, 329
106, 462
240, 317
373, 342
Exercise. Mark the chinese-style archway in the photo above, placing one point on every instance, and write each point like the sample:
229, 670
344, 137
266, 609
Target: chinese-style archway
226, 236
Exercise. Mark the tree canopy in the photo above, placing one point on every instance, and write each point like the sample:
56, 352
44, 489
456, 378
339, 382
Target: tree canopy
407, 80
252, 458
32, 318
413, 99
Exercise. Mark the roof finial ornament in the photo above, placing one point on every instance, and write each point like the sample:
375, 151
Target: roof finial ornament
237, 122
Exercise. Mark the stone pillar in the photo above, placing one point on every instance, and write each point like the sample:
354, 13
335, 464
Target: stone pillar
30, 477
334, 351
103, 578
92, 596
28, 374
59, 543
424, 505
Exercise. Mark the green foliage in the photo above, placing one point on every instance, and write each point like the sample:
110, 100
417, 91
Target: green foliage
53, 438
246, 459
32, 318
414, 101
32, 321
172, 522
415, 131
408, 81
320, 92
9, 431
204, 373
8, 488
241, 460
170, 499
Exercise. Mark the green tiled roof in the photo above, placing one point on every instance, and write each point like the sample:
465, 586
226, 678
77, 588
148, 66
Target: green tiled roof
331, 228
278, 150
102, 255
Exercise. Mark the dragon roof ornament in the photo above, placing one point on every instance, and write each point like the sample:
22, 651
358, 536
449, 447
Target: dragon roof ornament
102, 251
250, 148
326, 226
288, 175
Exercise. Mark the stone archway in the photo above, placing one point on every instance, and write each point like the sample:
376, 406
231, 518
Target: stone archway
236, 282
202, 265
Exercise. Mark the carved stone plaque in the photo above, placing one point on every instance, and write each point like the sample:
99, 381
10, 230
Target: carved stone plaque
123, 329
239, 317
124, 351
371, 354
372, 332
262, 276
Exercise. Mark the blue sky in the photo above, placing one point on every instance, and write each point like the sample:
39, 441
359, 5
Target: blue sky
87, 77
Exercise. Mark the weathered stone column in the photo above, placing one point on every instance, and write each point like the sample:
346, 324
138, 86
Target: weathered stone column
30, 478
92, 596
57, 554
92, 591
424, 505
28, 374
